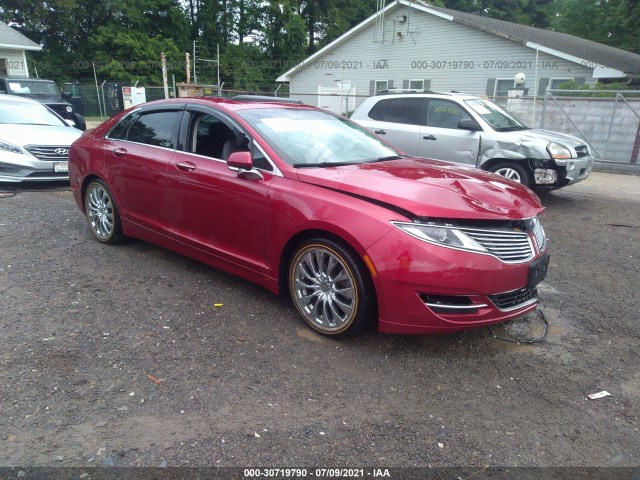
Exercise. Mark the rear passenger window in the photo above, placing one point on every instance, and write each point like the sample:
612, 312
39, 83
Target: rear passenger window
404, 110
445, 114
154, 128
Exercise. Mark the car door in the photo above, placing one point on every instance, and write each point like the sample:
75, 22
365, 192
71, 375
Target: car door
214, 208
137, 155
441, 138
399, 121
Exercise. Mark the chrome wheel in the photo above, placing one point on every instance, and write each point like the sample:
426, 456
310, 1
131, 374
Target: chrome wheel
513, 171
323, 288
510, 173
102, 214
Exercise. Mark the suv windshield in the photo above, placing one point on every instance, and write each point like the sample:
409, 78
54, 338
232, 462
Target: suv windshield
27, 114
499, 119
26, 87
308, 138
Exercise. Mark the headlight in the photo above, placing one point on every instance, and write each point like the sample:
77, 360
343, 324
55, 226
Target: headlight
558, 152
441, 235
9, 147
69, 109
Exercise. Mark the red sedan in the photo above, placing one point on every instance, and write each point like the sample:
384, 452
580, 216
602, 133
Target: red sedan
302, 201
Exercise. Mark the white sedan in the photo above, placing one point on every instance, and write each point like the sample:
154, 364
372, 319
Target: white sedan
34, 141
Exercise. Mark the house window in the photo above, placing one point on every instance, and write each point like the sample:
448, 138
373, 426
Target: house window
554, 83
503, 85
416, 85
381, 86
4, 66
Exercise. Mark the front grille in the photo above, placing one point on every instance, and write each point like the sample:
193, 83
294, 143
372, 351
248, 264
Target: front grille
49, 153
49, 174
516, 299
538, 233
510, 247
582, 151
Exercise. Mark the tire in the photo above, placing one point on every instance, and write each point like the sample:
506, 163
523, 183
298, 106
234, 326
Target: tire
512, 171
331, 288
81, 124
102, 213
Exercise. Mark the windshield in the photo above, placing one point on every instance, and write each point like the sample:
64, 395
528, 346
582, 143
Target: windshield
315, 138
499, 119
27, 87
22, 113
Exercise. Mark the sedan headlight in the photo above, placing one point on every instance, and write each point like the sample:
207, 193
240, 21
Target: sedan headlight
441, 235
8, 147
558, 152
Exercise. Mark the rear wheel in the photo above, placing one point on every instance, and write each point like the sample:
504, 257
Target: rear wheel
512, 171
102, 213
330, 288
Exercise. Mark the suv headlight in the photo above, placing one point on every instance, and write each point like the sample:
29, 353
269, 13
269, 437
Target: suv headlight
558, 152
69, 109
441, 235
8, 147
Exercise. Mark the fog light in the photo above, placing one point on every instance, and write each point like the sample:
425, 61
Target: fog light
571, 166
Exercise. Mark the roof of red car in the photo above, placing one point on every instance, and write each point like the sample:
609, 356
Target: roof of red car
232, 105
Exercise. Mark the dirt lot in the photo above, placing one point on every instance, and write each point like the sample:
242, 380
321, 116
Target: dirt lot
119, 356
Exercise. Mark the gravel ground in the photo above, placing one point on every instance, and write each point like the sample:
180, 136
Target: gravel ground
118, 355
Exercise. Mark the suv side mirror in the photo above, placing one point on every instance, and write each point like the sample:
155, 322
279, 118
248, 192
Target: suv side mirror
469, 124
66, 95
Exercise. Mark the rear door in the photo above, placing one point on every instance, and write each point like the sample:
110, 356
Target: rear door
441, 138
399, 121
137, 156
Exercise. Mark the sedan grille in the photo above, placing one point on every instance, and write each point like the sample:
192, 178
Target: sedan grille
510, 247
582, 151
516, 299
49, 154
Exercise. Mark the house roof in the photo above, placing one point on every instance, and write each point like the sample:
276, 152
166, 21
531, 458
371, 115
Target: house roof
10, 38
605, 60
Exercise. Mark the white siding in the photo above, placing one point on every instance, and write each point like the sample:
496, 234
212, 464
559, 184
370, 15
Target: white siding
447, 55
15, 62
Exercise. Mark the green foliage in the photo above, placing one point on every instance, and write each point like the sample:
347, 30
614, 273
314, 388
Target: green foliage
257, 39
598, 90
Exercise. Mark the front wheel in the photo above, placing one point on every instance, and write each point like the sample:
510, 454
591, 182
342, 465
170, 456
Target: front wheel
330, 287
512, 171
102, 213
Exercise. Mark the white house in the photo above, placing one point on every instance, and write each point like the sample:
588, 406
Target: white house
413, 45
13, 45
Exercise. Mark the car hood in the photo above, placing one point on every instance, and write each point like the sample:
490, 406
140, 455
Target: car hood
428, 188
21, 135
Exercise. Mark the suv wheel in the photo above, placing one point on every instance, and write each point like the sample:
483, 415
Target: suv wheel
512, 171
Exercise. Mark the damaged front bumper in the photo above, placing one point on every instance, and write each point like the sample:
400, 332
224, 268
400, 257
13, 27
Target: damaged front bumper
559, 173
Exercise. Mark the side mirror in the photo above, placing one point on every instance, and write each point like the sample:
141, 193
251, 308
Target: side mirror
469, 124
241, 160
66, 95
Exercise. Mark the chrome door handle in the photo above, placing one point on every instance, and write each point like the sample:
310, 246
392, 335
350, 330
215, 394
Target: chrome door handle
120, 152
186, 166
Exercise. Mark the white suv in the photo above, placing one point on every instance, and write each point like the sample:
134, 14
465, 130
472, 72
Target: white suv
475, 131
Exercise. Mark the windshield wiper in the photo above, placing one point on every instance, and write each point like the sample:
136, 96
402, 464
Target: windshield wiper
390, 157
511, 129
323, 164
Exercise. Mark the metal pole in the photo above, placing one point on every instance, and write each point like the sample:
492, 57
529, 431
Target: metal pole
163, 60
613, 116
173, 78
218, 61
95, 76
103, 100
535, 88
195, 78
544, 108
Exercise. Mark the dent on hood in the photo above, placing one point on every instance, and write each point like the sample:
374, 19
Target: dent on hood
520, 149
